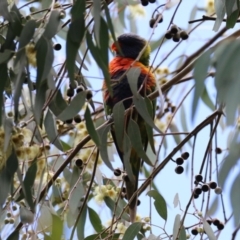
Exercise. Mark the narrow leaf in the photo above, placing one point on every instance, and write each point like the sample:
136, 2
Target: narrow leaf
136, 141
176, 226
159, 203
74, 107
132, 231
118, 118
103, 148
95, 220
77, 194
208, 230
27, 33
81, 223
132, 76
51, 130
52, 25
91, 128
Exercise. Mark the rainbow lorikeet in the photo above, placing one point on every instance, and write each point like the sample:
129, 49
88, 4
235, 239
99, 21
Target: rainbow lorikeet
130, 46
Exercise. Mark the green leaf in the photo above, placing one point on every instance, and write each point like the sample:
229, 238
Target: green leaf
15, 234
57, 228
142, 109
207, 100
118, 118
6, 176
182, 235
81, 223
176, 226
126, 157
159, 203
118, 209
4, 79
26, 215
91, 128
232, 19
136, 141
95, 220
102, 236
58, 103
235, 199
27, 33
132, 76
220, 11
104, 41
4, 9
208, 230
28, 183
200, 74
96, 53
44, 58
109, 21
51, 130
229, 6
40, 96
5, 56
8, 127
74, 107
132, 231
74, 36
227, 56
97, 22
103, 148
77, 194
15, 21
52, 25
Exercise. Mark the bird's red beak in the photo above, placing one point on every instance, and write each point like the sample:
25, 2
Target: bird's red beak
114, 47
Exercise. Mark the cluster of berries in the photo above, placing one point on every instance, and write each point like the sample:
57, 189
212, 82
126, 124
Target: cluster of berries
216, 222
176, 34
154, 20
205, 187
179, 161
145, 2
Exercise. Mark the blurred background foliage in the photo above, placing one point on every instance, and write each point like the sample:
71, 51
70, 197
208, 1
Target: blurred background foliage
59, 169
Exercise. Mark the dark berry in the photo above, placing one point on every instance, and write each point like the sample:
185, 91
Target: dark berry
138, 202
124, 190
69, 121
215, 222
173, 108
174, 29
183, 35
194, 231
220, 226
117, 172
209, 221
152, 22
79, 163
199, 178
126, 178
70, 92
176, 37
166, 110
77, 119
179, 161
144, 2
197, 191
205, 187
218, 150
185, 155
89, 95
179, 169
212, 185
152, 1
168, 35
57, 46
195, 196
80, 89
160, 17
